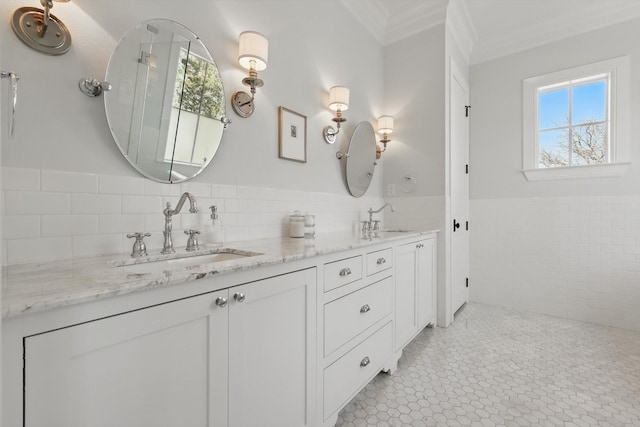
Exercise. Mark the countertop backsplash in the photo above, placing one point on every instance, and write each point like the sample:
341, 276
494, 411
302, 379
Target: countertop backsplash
52, 215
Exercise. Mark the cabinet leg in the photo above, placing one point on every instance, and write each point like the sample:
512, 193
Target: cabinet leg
391, 366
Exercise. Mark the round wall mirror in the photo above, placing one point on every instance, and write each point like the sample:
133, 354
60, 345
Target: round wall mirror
361, 159
166, 108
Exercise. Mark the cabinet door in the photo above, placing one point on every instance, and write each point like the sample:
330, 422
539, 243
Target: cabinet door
426, 282
406, 316
160, 366
272, 352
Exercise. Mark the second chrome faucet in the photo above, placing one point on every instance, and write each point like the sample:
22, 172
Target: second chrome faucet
168, 216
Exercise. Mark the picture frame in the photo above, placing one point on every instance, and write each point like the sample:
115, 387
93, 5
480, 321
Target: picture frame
292, 135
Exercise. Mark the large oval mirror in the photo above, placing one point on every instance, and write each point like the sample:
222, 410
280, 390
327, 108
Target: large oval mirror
166, 108
361, 159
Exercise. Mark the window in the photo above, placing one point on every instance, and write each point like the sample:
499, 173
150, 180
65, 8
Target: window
576, 122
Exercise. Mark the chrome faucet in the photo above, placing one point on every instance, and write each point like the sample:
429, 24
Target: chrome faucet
168, 216
371, 221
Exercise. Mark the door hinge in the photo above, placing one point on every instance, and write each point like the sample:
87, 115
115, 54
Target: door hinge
467, 282
466, 169
466, 110
466, 225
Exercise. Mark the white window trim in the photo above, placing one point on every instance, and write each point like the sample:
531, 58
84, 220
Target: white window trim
620, 88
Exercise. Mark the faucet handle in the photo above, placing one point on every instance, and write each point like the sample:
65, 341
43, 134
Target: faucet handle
192, 241
139, 248
376, 225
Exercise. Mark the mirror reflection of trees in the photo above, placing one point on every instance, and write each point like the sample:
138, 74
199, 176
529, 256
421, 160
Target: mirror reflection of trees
198, 87
198, 105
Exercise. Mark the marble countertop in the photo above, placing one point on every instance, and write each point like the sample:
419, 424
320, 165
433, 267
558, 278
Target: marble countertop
28, 288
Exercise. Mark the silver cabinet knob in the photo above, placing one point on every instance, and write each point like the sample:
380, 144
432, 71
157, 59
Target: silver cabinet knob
365, 308
364, 362
381, 261
221, 302
345, 271
238, 296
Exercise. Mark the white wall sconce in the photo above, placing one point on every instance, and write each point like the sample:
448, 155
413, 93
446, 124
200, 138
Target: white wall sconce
338, 102
385, 128
253, 52
40, 30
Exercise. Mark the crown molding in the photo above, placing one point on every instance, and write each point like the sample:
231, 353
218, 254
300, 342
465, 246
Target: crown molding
462, 28
409, 17
371, 14
516, 39
413, 18
390, 21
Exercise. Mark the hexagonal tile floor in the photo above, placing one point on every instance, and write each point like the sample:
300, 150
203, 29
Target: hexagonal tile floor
497, 367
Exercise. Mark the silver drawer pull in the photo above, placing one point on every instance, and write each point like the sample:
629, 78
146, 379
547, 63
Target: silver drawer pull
345, 271
365, 308
381, 261
364, 362
221, 302
238, 296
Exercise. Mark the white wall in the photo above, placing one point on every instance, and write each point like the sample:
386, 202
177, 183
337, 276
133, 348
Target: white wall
63, 149
414, 87
61, 129
568, 248
414, 80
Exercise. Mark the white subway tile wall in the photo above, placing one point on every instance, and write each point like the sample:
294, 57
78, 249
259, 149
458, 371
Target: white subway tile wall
52, 215
571, 257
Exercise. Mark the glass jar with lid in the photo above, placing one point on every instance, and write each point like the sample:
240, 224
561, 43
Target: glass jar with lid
296, 224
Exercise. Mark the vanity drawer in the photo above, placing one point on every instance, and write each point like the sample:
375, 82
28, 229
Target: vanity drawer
379, 261
348, 316
353, 370
339, 273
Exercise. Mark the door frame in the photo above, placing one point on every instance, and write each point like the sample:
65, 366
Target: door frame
445, 297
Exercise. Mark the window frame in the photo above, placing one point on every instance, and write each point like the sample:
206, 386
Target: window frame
618, 89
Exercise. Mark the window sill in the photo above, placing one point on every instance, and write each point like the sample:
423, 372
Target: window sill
576, 172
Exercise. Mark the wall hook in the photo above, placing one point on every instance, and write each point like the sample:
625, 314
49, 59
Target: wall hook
92, 87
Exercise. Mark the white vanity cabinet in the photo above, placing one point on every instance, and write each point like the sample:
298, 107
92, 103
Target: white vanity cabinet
242, 356
162, 365
357, 327
272, 352
415, 289
281, 344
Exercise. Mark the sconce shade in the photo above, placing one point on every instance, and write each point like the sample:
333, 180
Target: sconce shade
253, 46
385, 124
339, 98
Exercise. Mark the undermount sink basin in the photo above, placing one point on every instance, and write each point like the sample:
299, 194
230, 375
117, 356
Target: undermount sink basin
383, 233
159, 263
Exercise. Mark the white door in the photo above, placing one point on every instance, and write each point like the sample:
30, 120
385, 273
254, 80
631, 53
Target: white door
161, 366
272, 352
459, 169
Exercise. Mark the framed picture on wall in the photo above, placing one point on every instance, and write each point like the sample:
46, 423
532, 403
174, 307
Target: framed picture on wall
292, 135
